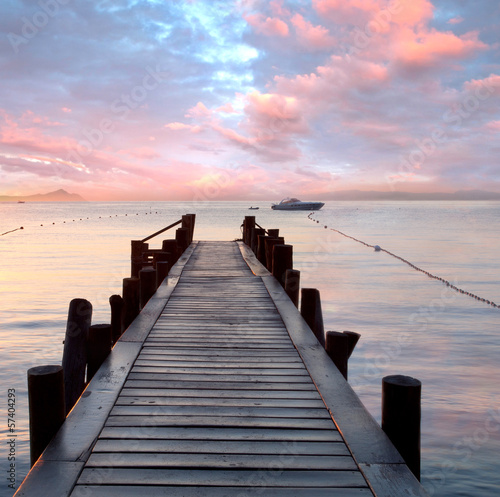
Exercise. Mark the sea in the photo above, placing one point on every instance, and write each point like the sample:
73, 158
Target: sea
422, 304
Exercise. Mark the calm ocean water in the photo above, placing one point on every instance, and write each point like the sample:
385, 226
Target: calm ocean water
410, 324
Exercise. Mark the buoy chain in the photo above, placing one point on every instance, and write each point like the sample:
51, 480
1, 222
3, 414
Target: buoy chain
430, 275
80, 219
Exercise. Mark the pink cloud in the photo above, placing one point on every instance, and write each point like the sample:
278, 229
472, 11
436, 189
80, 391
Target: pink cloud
270, 26
227, 108
433, 48
312, 37
181, 126
380, 12
199, 110
456, 20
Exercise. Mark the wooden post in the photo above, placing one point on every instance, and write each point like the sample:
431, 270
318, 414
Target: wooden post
136, 257
46, 406
270, 243
116, 303
254, 238
273, 233
99, 347
401, 413
160, 256
147, 286
131, 300
292, 285
352, 340
261, 249
170, 246
337, 347
248, 225
162, 269
310, 308
182, 237
187, 221
193, 220
74, 358
282, 260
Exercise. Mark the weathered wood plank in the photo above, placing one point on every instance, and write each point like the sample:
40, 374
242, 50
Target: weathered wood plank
156, 360
221, 411
142, 400
159, 368
220, 394
49, 478
219, 421
270, 477
226, 433
219, 461
214, 491
245, 378
224, 354
190, 384
223, 447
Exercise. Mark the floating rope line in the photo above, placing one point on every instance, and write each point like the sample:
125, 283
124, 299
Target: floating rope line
430, 275
85, 219
12, 231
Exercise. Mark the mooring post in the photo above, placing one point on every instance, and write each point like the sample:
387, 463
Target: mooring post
310, 308
292, 285
248, 225
147, 286
401, 412
270, 243
273, 233
162, 269
161, 256
261, 249
254, 238
170, 246
182, 237
131, 300
337, 347
193, 221
47, 411
99, 347
136, 257
352, 340
282, 261
187, 222
116, 304
74, 358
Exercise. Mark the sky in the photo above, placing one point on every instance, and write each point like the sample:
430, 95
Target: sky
251, 99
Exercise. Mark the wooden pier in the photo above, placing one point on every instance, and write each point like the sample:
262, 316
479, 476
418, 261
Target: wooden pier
219, 389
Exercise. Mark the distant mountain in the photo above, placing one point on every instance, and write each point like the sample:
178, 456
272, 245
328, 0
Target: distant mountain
57, 196
374, 195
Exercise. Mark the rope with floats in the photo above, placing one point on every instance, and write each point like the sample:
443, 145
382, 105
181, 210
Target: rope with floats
82, 219
377, 248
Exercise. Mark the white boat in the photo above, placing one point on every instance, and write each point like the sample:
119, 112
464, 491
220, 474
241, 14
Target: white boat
294, 204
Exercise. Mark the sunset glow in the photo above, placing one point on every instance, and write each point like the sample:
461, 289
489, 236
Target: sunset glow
148, 100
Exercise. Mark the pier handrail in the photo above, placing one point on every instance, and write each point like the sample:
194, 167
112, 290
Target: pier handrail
161, 231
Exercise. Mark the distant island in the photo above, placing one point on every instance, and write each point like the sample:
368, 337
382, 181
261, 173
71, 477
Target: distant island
57, 196
374, 195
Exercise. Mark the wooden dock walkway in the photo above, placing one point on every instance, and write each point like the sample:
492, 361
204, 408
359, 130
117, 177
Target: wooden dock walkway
219, 388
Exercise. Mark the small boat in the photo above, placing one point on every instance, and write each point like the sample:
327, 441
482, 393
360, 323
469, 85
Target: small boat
253, 208
20, 202
294, 204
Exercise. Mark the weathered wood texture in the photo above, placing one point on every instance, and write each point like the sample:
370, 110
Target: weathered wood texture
218, 401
